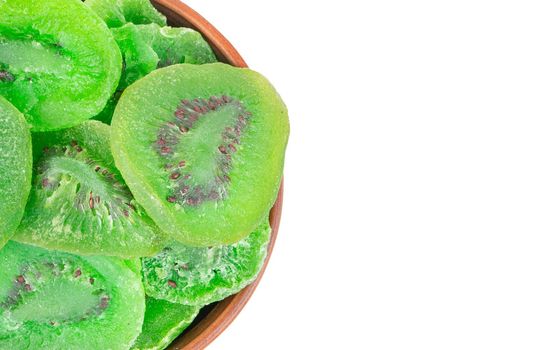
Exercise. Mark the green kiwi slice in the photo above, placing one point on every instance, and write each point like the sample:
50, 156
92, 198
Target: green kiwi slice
59, 63
16, 165
53, 300
147, 47
200, 276
202, 149
163, 322
116, 13
79, 202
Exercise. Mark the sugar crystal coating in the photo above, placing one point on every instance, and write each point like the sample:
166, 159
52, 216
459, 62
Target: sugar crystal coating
59, 63
52, 300
211, 145
163, 322
147, 47
16, 165
79, 202
200, 276
116, 13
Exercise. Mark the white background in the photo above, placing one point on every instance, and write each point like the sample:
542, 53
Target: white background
416, 178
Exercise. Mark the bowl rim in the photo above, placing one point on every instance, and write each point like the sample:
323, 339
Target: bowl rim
224, 312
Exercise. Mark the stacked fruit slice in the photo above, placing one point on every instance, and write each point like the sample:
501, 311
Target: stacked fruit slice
114, 237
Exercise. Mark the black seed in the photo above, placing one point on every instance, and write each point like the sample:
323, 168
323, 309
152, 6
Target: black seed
6, 76
104, 302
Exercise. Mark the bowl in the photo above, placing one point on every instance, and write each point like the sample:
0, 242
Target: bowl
215, 318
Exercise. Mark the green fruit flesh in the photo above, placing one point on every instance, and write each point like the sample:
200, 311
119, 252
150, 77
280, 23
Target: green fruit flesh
16, 165
147, 47
200, 276
79, 203
52, 300
59, 63
163, 322
202, 141
116, 13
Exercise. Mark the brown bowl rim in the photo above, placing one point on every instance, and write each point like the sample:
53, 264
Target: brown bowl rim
224, 312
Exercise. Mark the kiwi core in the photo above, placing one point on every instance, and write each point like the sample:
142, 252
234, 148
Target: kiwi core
29, 59
197, 147
55, 293
92, 186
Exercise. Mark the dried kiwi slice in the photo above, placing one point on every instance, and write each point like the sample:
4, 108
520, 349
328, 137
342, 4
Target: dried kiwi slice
59, 63
200, 276
116, 13
202, 141
79, 202
53, 300
16, 165
147, 47
163, 322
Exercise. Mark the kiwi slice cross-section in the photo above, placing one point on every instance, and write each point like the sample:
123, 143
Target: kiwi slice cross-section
147, 47
59, 63
79, 202
202, 149
163, 322
200, 276
16, 165
58, 301
116, 13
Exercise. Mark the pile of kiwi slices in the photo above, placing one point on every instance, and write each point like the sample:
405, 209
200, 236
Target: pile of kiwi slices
137, 175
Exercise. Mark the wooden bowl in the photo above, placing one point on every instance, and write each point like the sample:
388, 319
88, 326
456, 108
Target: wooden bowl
214, 319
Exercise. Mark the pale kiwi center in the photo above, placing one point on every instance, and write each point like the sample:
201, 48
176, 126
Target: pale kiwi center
197, 146
81, 172
204, 141
55, 293
68, 173
31, 58
59, 300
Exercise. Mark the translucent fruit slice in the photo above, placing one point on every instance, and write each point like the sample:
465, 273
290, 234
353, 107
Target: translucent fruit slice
202, 141
116, 13
163, 322
57, 301
79, 202
59, 63
147, 47
200, 276
16, 165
